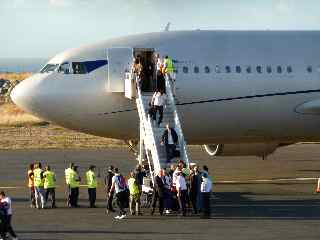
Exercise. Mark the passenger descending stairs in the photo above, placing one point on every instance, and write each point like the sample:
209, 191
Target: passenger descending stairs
151, 133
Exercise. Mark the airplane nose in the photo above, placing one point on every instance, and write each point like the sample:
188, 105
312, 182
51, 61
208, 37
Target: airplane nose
24, 93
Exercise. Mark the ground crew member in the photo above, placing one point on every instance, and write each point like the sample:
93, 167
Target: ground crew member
92, 185
31, 185
49, 185
74, 186
134, 201
67, 173
168, 67
38, 184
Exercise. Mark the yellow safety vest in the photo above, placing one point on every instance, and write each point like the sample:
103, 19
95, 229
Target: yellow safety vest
38, 181
91, 179
133, 187
67, 173
169, 65
74, 179
49, 180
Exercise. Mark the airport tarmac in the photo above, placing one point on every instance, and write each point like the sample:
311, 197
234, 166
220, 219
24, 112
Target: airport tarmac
282, 207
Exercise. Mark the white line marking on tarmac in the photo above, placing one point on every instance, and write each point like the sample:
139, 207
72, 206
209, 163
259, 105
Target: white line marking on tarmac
227, 181
269, 180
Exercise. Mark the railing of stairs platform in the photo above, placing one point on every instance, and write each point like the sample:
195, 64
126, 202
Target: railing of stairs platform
148, 135
182, 143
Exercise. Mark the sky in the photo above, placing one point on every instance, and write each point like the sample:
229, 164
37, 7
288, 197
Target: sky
43, 28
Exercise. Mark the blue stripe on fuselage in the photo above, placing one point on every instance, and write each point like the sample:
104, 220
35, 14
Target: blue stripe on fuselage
93, 65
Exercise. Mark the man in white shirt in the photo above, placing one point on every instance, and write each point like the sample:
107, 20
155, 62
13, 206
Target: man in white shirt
206, 188
6, 202
181, 187
158, 100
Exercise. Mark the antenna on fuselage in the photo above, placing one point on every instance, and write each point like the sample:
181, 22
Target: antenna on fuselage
167, 28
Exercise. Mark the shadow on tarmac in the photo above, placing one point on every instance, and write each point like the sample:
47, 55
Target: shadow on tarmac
236, 205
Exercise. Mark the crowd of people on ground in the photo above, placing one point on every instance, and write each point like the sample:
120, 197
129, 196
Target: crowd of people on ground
172, 190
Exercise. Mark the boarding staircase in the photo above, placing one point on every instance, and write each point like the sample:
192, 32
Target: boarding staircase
151, 134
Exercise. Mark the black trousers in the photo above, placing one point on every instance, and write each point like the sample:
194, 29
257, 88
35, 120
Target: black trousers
160, 109
52, 193
32, 197
74, 196
9, 228
206, 210
170, 148
183, 201
68, 193
155, 198
92, 196
109, 201
122, 202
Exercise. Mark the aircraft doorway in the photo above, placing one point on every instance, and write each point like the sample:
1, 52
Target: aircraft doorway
148, 73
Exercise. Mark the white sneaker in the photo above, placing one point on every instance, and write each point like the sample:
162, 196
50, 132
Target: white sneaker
122, 216
167, 212
117, 217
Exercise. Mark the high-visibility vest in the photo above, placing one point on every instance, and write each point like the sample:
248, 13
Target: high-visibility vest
169, 65
49, 180
91, 179
30, 179
74, 179
38, 181
67, 175
133, 186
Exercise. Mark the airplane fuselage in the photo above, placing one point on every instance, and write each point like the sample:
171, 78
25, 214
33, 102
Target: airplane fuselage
232, 86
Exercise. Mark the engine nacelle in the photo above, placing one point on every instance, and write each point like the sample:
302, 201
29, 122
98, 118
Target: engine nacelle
241, 149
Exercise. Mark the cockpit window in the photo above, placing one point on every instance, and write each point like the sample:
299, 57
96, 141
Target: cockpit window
79, 68
49, 68
64, 68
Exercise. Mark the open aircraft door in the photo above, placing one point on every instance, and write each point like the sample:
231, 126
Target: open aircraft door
119, 63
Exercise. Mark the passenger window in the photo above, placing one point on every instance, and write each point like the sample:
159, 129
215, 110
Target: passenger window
289, 69
309, 69
279, 69
248, 69
217, 69
196, 69
79, 68
238, 69
259, 69
64, 68
269, 69
228, 69
206, 69
185, 69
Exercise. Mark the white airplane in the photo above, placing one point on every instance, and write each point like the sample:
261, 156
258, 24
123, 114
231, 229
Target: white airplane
238, 92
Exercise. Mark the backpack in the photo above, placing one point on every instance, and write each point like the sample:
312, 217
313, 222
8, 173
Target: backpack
121, 182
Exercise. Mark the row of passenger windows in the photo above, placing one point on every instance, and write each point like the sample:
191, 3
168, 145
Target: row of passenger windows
246, 69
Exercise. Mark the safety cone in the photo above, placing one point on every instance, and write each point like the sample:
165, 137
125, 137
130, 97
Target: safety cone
318, 186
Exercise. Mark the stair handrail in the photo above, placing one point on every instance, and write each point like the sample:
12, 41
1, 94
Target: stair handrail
182, 142
148, 128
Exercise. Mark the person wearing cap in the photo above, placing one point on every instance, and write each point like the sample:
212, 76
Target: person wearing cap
108, 184
206, 187
92, 185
